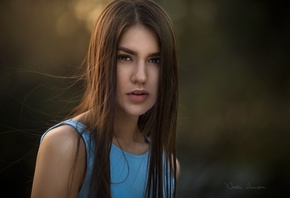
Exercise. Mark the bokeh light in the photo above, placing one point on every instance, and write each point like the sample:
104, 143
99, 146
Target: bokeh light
233, 131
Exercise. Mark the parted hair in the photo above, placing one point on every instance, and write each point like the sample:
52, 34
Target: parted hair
159, 123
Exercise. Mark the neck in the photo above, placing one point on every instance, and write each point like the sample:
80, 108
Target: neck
126, 128
127, 135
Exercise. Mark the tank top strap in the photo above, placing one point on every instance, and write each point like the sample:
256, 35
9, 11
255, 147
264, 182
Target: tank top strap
89, 144
78, 126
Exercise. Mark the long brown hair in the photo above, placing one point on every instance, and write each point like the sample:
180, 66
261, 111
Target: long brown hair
99, 100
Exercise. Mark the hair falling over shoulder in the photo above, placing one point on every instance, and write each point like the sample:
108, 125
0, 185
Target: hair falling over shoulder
99, 100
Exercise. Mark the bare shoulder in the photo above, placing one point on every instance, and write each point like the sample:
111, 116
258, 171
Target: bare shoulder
62, 144
61, 162
63, 137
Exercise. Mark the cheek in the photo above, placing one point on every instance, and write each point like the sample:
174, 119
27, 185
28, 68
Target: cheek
118, 80
121, 76
154, 83
155, 78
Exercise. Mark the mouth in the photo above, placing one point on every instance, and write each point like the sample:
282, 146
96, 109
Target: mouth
138, 96
138, 92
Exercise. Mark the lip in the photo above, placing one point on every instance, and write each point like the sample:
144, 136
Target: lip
138, 95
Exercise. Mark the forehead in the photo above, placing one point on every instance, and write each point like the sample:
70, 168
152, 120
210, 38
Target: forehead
139, 38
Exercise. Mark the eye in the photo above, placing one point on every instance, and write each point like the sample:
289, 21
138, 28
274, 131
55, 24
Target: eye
124, 58
154, 60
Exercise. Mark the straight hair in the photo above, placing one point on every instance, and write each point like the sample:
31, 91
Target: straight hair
99, 100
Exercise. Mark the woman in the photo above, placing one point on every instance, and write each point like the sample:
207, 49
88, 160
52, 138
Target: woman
120, 140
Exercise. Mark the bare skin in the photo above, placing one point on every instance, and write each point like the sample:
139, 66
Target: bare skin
57, 152
55, 158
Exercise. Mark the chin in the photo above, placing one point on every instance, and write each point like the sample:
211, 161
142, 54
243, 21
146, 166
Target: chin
136, 110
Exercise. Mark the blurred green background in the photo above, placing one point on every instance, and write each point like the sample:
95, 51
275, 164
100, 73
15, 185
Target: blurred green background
234, 122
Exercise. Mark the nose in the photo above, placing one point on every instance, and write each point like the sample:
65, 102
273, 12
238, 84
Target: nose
139, 75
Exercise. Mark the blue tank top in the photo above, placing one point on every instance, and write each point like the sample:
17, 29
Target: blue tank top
128, 171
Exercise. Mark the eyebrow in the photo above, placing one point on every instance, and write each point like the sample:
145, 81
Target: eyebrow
132, 52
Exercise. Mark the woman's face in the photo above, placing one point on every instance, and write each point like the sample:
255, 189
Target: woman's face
137, 70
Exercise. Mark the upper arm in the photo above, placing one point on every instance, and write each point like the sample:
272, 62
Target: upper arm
60, 164
177, 168
177, 171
